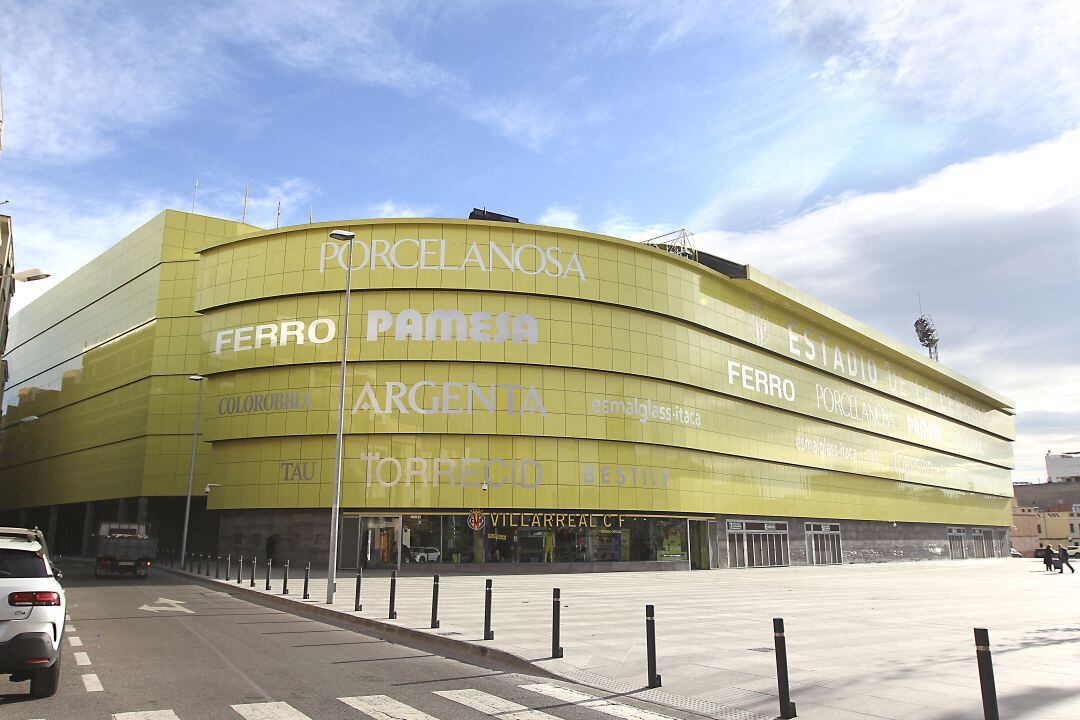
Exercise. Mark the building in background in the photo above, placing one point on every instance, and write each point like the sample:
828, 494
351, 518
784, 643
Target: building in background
1063, 467
524, 396
7, 288
1026, 533
1048, 495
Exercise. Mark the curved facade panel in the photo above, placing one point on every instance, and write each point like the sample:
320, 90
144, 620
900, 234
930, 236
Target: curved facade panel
514, 394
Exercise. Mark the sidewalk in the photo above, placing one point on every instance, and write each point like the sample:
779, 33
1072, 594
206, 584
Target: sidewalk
864, 641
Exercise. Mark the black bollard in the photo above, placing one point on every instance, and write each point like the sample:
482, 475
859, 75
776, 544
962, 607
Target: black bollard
556, 613
217, 568
392, 615
240, 570
269, 564
650, 646
488, 634
787, 708
435, 603
254, 563
285, 579
357, 606
986, 674
228, 567
307, 579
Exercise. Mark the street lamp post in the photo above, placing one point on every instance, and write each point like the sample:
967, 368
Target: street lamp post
26, 275
335, 506
191, 471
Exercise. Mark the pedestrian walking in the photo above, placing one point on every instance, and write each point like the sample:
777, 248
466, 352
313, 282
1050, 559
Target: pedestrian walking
1063, 556
1047, 555
270, 545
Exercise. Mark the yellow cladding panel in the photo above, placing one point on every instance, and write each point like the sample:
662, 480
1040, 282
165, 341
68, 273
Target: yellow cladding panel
441, 255
412, 325
497, 399
449, 471
102, 360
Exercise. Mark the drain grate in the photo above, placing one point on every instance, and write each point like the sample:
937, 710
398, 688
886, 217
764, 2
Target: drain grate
763, 649
448, 634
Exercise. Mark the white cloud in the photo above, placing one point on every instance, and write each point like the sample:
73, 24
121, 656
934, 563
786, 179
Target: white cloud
957, 60
563, 217
392, 209
994, 247
81, 75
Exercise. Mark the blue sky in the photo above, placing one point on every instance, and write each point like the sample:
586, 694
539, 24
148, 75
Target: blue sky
861, 152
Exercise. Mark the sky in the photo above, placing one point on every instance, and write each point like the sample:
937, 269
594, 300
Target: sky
874, 155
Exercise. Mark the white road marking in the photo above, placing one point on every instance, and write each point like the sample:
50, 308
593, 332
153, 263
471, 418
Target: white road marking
82, 658
75, 640
382, 707
147, 715
493, 705
90, 680
69, 627
269, 711
619, 710
67, 616
167, 604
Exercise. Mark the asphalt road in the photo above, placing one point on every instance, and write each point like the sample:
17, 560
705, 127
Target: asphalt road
167, 649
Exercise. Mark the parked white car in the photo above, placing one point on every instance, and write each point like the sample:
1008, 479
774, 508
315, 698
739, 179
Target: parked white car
424, 554
32, 608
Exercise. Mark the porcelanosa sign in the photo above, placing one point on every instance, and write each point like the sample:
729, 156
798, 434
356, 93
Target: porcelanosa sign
436, 254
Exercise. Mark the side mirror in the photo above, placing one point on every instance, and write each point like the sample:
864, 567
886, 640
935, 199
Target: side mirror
58, 574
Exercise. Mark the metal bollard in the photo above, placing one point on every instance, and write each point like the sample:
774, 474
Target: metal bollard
285, 579
307, 579
254, 563
240, 571
357, 606
392, 615
228, 567
217, 568
986, 674
556, 614
488, 634
787, 708
435, 603
269, 564
650, 646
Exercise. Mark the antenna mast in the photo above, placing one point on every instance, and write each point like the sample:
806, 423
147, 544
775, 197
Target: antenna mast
928, 336
243, 213
194, 195
677, 242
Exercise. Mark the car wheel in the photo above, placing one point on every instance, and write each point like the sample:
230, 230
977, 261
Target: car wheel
44, 682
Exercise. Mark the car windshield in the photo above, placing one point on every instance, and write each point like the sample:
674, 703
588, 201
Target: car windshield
21, 564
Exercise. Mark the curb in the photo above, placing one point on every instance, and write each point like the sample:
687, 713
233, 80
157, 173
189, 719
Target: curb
418, 639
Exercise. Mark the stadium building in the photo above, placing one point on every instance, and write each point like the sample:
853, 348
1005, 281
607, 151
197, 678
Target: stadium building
518, 396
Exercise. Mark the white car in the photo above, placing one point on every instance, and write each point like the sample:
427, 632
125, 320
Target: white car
32, 607
424, 554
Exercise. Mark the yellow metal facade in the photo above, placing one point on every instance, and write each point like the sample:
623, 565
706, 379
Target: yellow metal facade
563, 370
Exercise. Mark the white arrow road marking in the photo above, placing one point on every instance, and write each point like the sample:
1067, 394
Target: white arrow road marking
82, 658
269, 711
619, 710
493, 705
382, 707
91, 682
147, 715
171, 605
74, 641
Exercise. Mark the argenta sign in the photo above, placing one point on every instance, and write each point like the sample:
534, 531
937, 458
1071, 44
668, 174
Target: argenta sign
436, 254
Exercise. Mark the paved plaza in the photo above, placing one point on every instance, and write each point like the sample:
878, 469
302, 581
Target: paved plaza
864, 641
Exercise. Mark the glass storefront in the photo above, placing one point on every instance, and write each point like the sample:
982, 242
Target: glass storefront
526, 537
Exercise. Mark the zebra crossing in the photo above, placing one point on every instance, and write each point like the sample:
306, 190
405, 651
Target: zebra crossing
384, 707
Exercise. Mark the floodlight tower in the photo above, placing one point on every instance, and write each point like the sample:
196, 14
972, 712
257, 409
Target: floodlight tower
928, 337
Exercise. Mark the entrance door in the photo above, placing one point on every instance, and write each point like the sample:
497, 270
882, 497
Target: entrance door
823, 544
380, 544
957, 548
753, 543
700, 548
